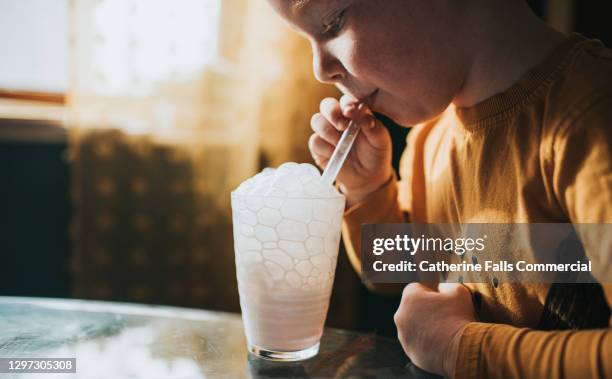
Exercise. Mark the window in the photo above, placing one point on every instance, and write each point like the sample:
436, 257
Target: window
34, 46
134, 44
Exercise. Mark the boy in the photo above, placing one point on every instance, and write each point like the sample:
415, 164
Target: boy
513, 126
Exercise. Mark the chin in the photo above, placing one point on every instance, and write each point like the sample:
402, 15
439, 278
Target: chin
410, 115
404, 118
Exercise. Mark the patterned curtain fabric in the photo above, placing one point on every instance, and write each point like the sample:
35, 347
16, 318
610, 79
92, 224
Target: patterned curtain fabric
173, 104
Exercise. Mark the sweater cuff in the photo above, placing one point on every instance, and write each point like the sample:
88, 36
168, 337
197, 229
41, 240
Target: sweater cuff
376, 207
468, 364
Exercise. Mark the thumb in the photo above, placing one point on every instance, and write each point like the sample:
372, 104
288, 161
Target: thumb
375, 132
418, 287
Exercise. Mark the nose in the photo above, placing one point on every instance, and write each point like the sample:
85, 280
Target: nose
327, 68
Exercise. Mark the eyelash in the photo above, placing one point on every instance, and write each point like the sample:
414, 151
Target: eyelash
336, 24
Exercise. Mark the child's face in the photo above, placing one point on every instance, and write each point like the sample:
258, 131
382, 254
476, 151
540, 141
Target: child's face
403, 57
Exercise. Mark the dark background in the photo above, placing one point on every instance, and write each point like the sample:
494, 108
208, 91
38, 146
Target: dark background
35, 207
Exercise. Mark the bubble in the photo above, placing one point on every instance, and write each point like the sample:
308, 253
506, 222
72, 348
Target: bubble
265, 233
297, 210
308, 170
276, 271
292, 230
321, 262
293, 279
250, 257
316, 188
254, 203
246, 243
267, 171
278, 257
268, 216
295, 249
303, 268
287, 167
314, 244
276, 192
257, 191
288, 180
247, 217
318, 228
274, 202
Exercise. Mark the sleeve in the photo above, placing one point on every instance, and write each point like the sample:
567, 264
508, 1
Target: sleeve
582, 180
503, 351
582, 184
381, 206
389, 204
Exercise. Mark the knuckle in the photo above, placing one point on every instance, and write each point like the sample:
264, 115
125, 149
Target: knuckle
311, 141
462, 289
397, 317
327, 104
318, 145
346, 99
330, 109
410, 290
315, 119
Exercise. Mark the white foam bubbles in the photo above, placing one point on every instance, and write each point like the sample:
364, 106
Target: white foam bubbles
291, 180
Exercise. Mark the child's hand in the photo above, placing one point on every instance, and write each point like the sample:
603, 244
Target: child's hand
368, 166
430, 324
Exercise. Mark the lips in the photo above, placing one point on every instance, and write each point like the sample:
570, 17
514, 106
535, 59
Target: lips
370, 99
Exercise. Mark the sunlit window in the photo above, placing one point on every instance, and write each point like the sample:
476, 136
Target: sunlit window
34, 45
139, 43
133, 46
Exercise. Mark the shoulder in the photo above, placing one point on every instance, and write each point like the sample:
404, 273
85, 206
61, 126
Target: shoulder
582, 91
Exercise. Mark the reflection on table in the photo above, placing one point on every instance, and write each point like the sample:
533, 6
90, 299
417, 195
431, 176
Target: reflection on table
113, 340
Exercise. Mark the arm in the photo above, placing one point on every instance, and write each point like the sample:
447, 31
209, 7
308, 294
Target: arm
381, 206
503, 351
581, 179
391, 203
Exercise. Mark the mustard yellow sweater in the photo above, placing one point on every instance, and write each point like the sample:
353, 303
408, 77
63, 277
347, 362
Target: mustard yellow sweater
539, 152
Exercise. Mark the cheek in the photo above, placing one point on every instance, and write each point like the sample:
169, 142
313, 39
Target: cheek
367, 67
356, 54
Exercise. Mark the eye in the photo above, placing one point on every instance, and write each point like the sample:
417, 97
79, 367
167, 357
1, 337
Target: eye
336, 24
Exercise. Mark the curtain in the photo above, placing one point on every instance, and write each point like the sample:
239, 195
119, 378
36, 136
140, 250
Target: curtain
173, 104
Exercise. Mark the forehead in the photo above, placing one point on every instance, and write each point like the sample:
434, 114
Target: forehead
298, 9
306, 17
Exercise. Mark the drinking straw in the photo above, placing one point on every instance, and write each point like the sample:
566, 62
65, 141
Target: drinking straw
340, 153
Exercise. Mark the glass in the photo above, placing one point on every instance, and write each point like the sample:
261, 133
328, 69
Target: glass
286, 251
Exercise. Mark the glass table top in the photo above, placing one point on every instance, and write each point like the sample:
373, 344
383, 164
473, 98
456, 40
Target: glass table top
119, 340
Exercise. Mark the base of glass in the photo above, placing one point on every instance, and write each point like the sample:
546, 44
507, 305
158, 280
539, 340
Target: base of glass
284, 356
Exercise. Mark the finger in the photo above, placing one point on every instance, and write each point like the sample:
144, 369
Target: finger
348, 104
361, 113
414, 289
354, 109
376, 135
321, 162
452, 288
330, 109
324, 129
358, 112
397, 317
319, 147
